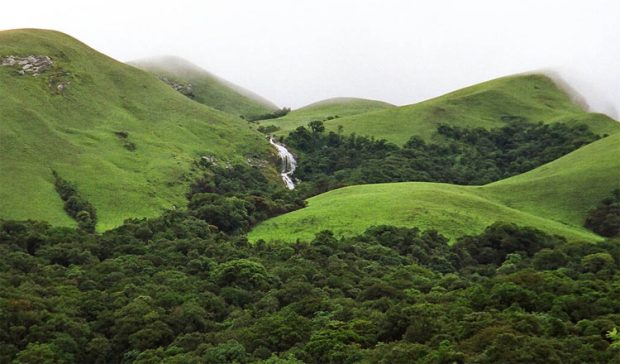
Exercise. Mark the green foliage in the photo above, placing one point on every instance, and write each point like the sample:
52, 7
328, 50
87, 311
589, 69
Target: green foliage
229, 352
242, 273
175, 290
235, 198
555, 198
605, 218
76, 206
271, 115
500, 240
40, 353
269, 129
461, 156
230, 214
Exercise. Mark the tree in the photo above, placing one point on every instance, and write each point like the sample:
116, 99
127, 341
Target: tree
605, 218
242, 273
597, 262
316, 126
229, 352
36, 353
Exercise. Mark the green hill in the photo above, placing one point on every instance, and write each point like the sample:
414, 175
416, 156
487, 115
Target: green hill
554, 197
489, 104
207, 88
335, 109
82, 118
566, 188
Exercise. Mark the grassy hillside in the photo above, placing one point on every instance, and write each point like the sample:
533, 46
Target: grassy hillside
75, 133
566, 188
489, 104
336, 108
553, 198
207, 88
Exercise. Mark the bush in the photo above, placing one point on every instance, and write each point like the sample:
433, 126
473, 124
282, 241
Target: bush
76, 206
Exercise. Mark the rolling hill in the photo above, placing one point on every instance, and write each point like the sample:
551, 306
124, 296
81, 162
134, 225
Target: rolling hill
207, 88
335, 109
489, 104
554, 197
124, 138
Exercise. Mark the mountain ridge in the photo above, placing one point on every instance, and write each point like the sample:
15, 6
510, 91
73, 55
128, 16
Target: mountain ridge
532, 97
208, 88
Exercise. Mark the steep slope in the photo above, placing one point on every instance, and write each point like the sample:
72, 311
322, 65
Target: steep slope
86, 130
207, 88
554, 198
489, 104
335, 109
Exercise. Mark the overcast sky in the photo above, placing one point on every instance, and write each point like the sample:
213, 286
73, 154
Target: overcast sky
296, 52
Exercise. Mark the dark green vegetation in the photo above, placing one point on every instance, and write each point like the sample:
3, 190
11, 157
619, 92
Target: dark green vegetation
207, 88
76, 206
605, 218
486, 105
174, 290
459, 156
74, 133
554, 197
272, 115
235, 198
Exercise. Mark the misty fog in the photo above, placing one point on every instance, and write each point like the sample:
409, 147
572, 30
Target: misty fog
297, 52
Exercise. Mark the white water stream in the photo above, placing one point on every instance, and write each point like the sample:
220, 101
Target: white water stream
288, 164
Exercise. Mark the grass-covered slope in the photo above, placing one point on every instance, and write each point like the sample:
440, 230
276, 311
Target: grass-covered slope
489, 104
207, 88
75, 133
554, 198
333, 109
567, 188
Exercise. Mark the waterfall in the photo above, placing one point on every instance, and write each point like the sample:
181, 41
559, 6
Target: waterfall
288, 164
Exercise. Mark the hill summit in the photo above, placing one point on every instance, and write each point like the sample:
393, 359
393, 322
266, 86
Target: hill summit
205, 87
123, 138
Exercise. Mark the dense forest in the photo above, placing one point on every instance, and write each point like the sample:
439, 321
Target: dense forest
466, 156
175, 290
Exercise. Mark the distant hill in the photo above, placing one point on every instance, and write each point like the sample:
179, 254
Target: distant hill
490, 104
206, 88
554, 197
335, 109
126, 139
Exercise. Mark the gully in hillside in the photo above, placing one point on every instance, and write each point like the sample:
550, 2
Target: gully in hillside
288, 163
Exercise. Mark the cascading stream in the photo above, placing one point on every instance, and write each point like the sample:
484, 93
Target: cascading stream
288, 164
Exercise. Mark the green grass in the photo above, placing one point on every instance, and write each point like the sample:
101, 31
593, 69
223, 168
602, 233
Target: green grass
554, 198
337, 107
208, 88
534, 97
566, 188
74, 134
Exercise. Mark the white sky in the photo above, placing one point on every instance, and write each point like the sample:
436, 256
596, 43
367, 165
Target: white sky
295, 52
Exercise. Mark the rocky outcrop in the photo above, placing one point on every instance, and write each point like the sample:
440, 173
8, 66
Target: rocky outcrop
185, 89
33, 65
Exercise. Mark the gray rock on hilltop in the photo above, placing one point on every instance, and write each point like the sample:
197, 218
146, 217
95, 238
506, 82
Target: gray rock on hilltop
32, 64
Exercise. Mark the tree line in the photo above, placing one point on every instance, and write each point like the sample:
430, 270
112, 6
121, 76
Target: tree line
466, 156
